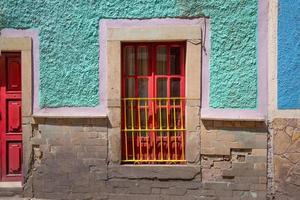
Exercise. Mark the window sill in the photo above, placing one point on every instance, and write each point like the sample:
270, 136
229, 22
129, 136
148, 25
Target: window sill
71, 112
184, 172
232, 115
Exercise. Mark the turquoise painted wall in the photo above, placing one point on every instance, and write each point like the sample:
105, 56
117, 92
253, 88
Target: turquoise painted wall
69, 44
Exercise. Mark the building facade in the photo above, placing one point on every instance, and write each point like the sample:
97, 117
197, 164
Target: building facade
150, 99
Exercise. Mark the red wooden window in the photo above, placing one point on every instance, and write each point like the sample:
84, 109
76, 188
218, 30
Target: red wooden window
153, 101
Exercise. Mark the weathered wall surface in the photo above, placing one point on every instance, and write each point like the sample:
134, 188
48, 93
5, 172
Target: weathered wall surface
286, 158
235, 152
69, 44
289, 54
70, 160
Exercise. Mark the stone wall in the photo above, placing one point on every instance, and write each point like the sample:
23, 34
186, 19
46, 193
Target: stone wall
235, 152
286, 158
69, 160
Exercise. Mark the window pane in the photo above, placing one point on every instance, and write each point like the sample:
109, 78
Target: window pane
162, 117
130, 117
143, 87
175, 60
143, 118
161, 87
129, 60
142, 59
175, 118
175, 87
130, 87
161, 60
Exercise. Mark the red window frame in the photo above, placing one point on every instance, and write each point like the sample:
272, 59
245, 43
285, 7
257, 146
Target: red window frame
145, 148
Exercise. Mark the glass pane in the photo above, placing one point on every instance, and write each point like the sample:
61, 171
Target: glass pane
130, 118
142, 59
143, 88
175, 118
129, 60
130, 87
143, 118
162, 117
175, 87
161, 60
175, 60
161, 87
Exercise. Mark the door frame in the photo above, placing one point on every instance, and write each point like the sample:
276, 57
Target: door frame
23, 45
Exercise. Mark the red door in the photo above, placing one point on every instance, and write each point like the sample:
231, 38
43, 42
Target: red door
10, 117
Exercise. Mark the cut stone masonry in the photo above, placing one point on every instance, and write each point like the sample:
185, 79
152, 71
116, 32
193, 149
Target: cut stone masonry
71, 161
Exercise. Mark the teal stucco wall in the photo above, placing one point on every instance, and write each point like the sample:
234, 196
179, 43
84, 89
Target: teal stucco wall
69, 44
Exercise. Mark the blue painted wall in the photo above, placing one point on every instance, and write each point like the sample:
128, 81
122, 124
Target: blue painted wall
69, 44
289, 54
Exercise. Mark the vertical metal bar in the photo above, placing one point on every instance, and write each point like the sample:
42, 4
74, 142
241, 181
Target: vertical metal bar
160, 128
132, 128
153, 127
147, 131
168, 128
182, 132
140, 135
125, 127
175, 128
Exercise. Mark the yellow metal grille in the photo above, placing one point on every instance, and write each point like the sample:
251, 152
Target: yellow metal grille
153, 130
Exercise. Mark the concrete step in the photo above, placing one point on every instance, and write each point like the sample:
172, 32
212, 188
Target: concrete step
11, 189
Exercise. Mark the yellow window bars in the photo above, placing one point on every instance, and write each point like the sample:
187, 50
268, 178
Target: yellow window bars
153, 130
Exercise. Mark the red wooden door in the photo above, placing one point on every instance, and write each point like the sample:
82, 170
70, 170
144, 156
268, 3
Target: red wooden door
10, 117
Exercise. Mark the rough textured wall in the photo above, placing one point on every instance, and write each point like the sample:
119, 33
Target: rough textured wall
69, 44
289, 54
287, 158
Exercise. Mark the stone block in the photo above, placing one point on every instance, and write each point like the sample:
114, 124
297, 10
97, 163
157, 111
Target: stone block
192, 147
243, 166
201, 192
155, 190
192, 119
250, 180
140, 188
239, 186
114, 145
174, 191
207, 137
258, 187
133, 197
256, 159
224, 193
260, 166
216, 185
281, 142
114, 117
154, 172
225, 137
208, 150
259, 152
222, 164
